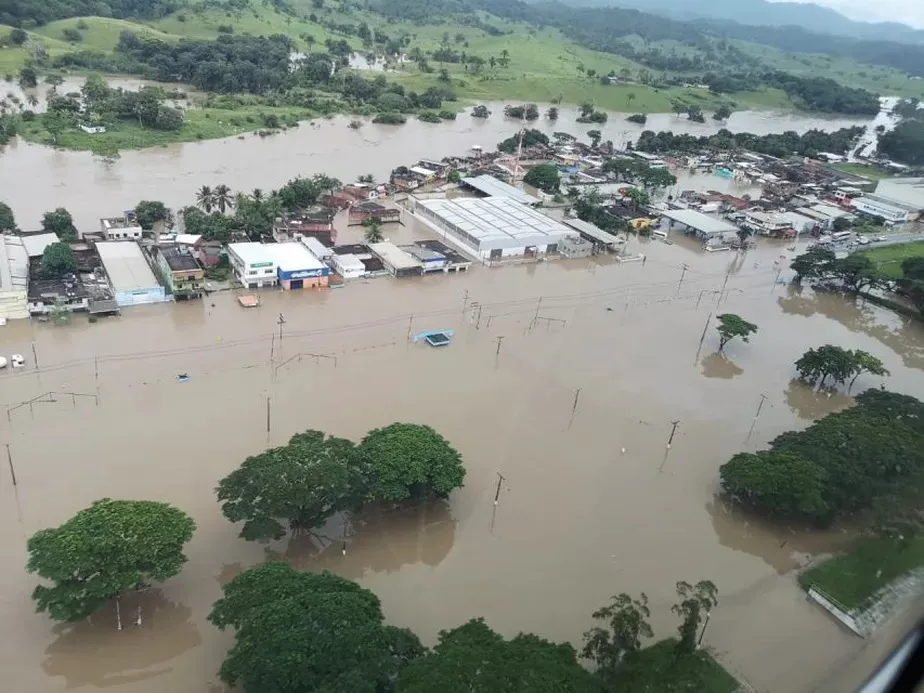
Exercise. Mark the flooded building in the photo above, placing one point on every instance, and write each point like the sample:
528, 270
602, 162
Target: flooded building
253, 265
67, 293
489, 186
493, 228
130, 276
14, 277
121, 228
316, 248
296, 267
35, 243
314, 224
430, 260
701, 225
455, 261
396, 261
575, 246
181, 273
347, 266
365, 211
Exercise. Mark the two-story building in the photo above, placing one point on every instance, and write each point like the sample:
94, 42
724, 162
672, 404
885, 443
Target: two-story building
768, 224
121, 228
253, 265
317, 224
182, 275
892, 211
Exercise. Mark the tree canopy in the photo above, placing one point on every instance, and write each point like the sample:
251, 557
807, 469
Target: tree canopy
626, 625
407, 460
57, 260
545, 177
149, 212
731, 326
7, 220
777, 144
837, 363
297, 632
472, 657
60, 222
694, 601
109, 548
302, 484
843, 464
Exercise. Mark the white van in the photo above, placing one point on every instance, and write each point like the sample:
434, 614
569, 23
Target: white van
659, 234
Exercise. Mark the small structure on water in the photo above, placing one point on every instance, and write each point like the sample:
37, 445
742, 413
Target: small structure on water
435, 338
248, 301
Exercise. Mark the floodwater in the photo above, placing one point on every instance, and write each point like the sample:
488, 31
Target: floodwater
36, 178
606, 360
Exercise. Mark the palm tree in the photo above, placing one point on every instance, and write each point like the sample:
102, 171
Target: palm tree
205, 199
257, 195
373, 231
222, 198
32, 100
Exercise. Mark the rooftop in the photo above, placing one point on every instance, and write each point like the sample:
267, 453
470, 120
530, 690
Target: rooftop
496, 219
315, 247
453, 256
252, 253
423, 254
909, 191
120, 223
701, 222
293, 257
179, 261
51, 289
126, 266
35, 244
14, 264
351, 249
592, 231
490, 186
394, 256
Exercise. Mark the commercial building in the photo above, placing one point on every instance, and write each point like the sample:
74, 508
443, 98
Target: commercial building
14, 277
296, 267
489, 186
600, 239
907, 191
455, 261
493, 228
575, 246
121, 228
316, 248
893, 211
769, 224
181, 273
693, 222
348, 266
253, 265
130, 276
396, 261
430, 260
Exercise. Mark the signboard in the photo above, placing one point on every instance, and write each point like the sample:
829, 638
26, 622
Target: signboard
258, 265
305, 274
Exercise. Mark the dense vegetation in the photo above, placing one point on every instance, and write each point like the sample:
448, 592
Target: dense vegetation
29, 13
866, 460
905, 142
778, 145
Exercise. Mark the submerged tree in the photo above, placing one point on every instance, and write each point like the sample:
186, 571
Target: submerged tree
837, 363
302, 483
105, 550
731, 326
373, 230
60, 222
57, 260
626, 625
694, 600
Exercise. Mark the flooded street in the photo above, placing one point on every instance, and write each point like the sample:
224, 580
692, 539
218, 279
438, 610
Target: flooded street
35, 178
577, 521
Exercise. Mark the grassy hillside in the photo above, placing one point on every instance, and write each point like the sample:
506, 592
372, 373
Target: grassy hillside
100, 34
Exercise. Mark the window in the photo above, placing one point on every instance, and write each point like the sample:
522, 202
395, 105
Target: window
496, 254
269, 271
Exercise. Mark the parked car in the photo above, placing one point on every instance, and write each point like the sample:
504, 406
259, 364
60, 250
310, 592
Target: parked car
863, 240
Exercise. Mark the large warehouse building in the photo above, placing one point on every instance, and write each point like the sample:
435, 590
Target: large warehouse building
130, 275
493, 228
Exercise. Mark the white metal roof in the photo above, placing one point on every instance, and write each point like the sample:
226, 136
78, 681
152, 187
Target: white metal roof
699, 221
252, 253
187, 238
497, 219
489, 185
293, 257
394, 256
35, 245
909, 191
126, 266
14, 264
318, 249
349, 262
593, 231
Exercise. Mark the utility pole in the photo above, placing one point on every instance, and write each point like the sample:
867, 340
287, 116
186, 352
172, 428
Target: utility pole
464, 301
763, 398
702, 337
499, 340
577, 396
281, 321
9, 459
267, 414
500, 480
410, 323
776, 280
724, 284
34, 356
674, 425
703, 631
683, 273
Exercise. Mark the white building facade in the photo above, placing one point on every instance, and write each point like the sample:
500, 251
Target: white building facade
253, 265
893, 212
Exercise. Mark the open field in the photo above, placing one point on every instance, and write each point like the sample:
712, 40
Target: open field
854, 577
864, 170
888, 259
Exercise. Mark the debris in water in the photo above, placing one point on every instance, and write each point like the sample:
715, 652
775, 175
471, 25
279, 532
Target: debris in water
182, 377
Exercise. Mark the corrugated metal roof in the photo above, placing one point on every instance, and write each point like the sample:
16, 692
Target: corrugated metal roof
701, 222
125, 265
593, 231
497, 218
35, 245
489, 185
394, 256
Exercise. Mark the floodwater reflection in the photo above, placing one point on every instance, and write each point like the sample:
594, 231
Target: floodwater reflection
717, 366
95, 653
808, 403
784, 548
377, 540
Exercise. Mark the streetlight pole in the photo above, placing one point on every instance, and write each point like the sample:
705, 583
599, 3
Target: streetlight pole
703, 631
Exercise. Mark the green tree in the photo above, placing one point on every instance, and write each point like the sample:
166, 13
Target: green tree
205, 199
95, 92
302, 484
545, 177
454, 177
779, 484
373, 230
912, 281
149, 212
723, 112
694, 600
594, 136
864, 362
55, 123
626, 625
856, 272
28, 78
552, 113
813, 264
409, 460
112, 547
472, 657
57, 260
222, 198
60, 222
639, 197
731, 326
18, 36
298, 632
825, 362
7, 220
841, 224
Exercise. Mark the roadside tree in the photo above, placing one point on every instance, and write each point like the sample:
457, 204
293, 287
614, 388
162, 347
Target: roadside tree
815, 263
57, 260
409, 460
912, 282
300, 484
472, 657
777, 483
299, 632
60, 222
731, 326
112, 547
694, 601
626, 625
856, 272
545, 177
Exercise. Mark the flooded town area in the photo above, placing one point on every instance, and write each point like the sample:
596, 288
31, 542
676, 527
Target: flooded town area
588, 397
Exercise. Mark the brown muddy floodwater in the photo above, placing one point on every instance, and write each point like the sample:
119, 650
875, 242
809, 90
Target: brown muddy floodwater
35, 178
578, 520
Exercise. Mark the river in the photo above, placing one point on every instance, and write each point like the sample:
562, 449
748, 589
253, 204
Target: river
578, 519
36, 178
